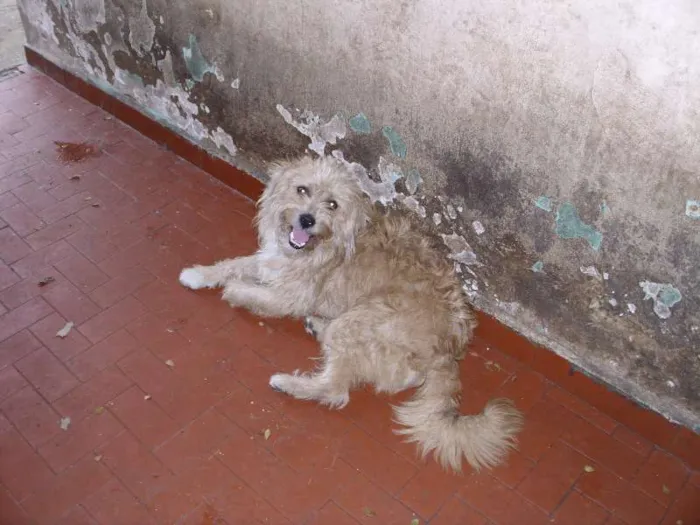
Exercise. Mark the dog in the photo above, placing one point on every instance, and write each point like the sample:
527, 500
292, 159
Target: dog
384, 304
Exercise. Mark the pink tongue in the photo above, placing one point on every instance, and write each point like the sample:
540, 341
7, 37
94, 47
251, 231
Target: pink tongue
299, 236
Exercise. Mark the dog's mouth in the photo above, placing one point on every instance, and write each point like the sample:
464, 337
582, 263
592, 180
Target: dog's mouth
299, 238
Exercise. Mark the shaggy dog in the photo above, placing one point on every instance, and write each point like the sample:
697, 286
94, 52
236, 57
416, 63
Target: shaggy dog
385, 306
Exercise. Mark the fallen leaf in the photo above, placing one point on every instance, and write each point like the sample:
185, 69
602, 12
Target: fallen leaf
491, 366
147, 397
96, 205
99, 410
588, 469
74, 177
63, 332
45, 281
415, 521
64, 423
368, 512
665, 489
267, 434
98, 458
170, 363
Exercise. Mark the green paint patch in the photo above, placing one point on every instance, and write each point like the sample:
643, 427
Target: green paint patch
189, 83
360, 124
664, 296
538, 267
570, 226
195, 62
396, 143
692, 209
543, 203
604, 208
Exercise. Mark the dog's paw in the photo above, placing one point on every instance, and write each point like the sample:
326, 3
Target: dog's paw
278, 382
192, 278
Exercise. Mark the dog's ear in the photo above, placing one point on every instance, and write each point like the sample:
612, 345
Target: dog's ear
357, 221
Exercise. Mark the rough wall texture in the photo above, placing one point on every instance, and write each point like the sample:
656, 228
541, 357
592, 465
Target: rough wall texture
554, 145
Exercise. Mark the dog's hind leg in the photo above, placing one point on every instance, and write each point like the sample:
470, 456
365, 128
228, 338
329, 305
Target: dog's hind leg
330, 386
216, 275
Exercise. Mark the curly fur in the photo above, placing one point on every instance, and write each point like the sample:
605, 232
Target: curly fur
386, 307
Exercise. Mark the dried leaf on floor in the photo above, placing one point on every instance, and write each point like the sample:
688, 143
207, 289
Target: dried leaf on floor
588, 469
267, 434
98, 458
45, 281
368, 512
99, 410
64, 423
147, 397
170, 363
665, 489
75, 152
415, 521
74, 177
63, 332
491, 366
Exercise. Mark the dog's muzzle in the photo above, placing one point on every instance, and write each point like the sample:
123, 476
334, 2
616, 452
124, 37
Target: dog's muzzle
299, 237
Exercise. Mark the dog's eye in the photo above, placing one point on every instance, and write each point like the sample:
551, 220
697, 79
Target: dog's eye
332, 205
303, 190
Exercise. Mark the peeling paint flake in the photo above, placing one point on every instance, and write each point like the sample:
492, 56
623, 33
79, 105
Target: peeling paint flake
413, 180
591, 271
543, 203
383, 191
360, 124
236, 83
437, 219
692, 209
538, 267
460, 250
570, 226
478, 227
665, 296
412, 204
320, 133
396, 143
196, 64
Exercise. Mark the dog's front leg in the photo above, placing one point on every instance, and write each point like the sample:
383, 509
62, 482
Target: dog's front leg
259, 299
217, 275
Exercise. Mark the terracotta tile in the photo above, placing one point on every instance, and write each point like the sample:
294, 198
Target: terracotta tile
7, 276
140, 471
7, 199
687, 447
12, 513
64, 348
12, 247
66, 207
112, 319
204, 514
28, 288
82, 273
583, 409
544, 423
32, 416
363, 500
67, 489
93, 245
43, 258
599, 446
553, 477
93, 394
383, 466
22, 470
429, 489
81, 437
196, 441
579, 509
22, 317
524, 387
17, 346
686, 509
55, 232
47, 374
633, 440
186, 491
34, 196
245, 410
70, 302
113, 503
119, 287
10, 382
103, 354
331, 513
456, 511
237, 503
498, 503
143, 417
620, 497
515, 469
294, 495
21, 219
662, 477
77, 515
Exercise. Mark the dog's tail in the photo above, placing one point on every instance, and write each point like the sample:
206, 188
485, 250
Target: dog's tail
433, 421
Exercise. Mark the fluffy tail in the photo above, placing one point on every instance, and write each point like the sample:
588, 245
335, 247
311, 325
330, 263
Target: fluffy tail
432, 420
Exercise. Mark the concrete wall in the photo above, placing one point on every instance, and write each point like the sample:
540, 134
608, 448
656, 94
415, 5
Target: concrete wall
554, 145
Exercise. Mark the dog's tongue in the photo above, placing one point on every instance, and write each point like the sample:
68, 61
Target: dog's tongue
299, 236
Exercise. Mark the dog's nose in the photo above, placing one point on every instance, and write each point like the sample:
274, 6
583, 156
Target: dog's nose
306, 220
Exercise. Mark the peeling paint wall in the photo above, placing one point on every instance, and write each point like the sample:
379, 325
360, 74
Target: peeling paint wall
553, 145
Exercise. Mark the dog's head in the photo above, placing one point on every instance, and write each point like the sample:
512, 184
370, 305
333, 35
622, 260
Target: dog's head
312, 204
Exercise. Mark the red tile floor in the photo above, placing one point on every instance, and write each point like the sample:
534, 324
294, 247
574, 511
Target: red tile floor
155, 407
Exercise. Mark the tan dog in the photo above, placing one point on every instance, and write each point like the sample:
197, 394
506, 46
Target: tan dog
384, 304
